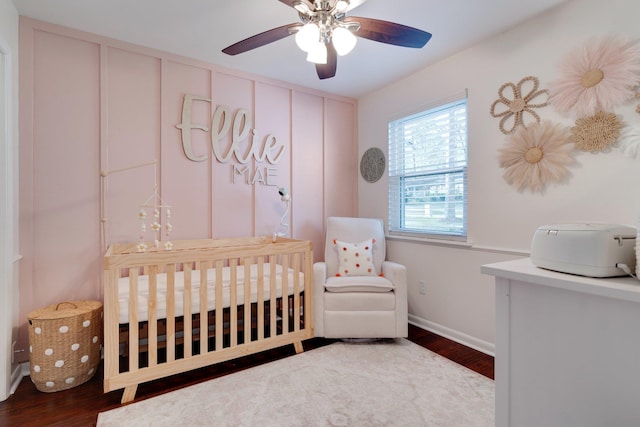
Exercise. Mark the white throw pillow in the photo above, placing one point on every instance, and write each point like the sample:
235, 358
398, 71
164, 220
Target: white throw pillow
356, 259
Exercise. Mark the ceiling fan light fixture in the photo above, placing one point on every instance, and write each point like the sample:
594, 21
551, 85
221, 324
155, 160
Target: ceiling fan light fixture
324, 32
318, 53
343, 40
308, 36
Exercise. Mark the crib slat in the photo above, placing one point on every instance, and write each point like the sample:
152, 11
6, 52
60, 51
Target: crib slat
260, 298
171, 313
273, 321
247, 300
285, 293
134, 343
233, 302
187, 329
219, 305
153, 315
204, 319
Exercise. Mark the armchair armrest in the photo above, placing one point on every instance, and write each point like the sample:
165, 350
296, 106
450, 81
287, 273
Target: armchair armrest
397, 274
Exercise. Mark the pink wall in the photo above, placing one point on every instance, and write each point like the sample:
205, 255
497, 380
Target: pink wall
90, 104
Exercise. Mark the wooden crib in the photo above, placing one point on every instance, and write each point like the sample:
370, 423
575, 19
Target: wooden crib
159, 319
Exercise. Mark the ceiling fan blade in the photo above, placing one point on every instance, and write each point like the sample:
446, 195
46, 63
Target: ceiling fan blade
389, 32
328, 70
261, 39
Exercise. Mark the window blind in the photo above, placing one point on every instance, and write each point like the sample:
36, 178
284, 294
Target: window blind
428, 172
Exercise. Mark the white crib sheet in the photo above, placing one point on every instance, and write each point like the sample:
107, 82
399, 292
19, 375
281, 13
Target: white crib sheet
161, 290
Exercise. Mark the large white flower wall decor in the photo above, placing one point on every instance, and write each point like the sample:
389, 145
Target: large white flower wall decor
536, 155
597, 77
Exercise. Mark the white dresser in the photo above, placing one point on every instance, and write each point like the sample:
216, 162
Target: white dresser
567, 348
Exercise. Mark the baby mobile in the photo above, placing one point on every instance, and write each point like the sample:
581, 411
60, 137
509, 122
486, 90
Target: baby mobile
155, 205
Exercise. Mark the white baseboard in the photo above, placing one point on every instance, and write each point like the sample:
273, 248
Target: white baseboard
17, 375
457, 336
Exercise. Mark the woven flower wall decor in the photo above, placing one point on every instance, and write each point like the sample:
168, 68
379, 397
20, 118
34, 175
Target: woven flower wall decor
597, 132
519, 104
597, 77
536, 155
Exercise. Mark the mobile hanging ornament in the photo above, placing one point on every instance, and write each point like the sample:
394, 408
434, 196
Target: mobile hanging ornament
157, 208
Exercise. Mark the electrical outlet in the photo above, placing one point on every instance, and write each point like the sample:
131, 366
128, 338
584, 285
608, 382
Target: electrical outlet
422, 287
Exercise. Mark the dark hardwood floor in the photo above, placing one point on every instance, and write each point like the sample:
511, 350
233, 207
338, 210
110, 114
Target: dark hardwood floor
80, 406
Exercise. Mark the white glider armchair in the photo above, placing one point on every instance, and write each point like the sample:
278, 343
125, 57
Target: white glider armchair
357, 294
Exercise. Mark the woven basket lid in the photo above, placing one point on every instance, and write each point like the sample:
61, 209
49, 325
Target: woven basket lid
65, 309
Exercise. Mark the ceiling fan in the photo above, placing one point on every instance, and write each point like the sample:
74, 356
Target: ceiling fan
326, 32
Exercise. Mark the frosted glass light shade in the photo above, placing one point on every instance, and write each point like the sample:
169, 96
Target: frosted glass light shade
342, 5
343, 40
308, 36
318, 53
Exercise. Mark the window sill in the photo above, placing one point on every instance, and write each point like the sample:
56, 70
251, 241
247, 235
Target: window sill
430, 241
457, 244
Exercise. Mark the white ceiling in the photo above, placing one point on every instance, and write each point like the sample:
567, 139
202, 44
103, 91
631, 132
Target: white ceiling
200, 29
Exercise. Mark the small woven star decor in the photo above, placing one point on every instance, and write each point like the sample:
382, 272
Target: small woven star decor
596, 133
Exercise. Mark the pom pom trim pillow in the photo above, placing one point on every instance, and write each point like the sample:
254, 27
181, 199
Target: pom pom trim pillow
356, 259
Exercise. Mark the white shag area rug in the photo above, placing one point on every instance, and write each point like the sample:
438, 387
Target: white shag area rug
385, 383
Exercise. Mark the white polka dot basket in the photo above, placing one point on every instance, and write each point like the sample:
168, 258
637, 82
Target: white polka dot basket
65, 342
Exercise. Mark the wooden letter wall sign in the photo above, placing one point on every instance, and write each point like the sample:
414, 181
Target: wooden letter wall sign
239, 124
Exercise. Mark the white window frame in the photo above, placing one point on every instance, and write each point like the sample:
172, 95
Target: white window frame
450, 172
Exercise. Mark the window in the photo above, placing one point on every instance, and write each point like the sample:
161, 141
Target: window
428, 173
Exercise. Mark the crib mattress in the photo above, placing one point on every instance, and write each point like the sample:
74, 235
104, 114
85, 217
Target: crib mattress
179, 288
